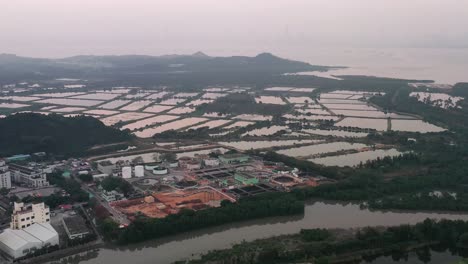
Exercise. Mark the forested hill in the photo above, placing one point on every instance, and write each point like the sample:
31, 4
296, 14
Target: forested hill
15, 67
460, 89
29, 133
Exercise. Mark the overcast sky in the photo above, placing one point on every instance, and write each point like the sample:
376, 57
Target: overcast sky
57, 28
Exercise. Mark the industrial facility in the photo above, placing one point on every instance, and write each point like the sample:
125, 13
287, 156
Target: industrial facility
196, 182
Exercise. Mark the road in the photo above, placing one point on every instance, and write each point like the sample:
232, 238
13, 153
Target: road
115, 214
157, 149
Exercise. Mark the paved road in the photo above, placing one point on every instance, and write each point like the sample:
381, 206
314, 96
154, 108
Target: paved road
157, 149
116, 215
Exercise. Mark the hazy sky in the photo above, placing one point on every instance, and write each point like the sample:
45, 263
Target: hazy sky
56, 28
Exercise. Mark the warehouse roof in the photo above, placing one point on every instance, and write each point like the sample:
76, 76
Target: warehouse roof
43, 232
16, 239
36, 233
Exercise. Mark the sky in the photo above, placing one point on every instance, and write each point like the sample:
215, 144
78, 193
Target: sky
58, 28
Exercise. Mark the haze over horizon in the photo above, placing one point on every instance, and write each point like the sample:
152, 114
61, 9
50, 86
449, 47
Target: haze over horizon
53, 28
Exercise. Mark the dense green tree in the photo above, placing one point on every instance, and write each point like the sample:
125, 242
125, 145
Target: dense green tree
266, 205
55, 134
116, 183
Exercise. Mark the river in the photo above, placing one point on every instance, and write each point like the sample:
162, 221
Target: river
317, 214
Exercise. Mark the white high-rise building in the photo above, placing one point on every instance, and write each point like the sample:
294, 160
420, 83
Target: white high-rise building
5, 175
24, 216
31, 177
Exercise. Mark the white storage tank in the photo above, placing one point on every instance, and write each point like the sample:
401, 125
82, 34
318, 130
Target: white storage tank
139, 171
126, 172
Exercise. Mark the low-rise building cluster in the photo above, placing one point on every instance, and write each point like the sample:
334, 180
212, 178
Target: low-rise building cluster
196, 182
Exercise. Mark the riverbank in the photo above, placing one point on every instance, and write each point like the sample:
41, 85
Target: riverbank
317, 214
60, 254
344, 246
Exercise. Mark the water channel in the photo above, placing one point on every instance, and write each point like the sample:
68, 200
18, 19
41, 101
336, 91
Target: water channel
317, 214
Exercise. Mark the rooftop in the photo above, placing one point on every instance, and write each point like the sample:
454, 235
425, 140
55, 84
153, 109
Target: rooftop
75, 225
22, 169
105, 163
234, 156
15, 239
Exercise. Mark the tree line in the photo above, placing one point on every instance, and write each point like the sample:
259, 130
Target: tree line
265, 205
324, 246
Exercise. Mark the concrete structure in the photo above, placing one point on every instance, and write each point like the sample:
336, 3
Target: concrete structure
245, 179
183, 160
106, 167
193, 165
234, 158
19, 243
111, 196
127, 172
211, 162
139, 171
19, 157
286, 180
152, 166
149, 199
24, 216
283, 170
160, 171
75, 227
31, 177
5, 175
173, 164
99, 176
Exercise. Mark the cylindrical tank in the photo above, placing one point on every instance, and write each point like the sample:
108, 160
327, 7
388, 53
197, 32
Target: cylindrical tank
151, 166
126, 172
173, 164
160, 171
139, 171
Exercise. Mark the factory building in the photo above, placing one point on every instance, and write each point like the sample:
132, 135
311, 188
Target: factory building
234, 158
75, 227
106, 167
19, 243
193, 165
26, 215
31, 177
111, 196
211, 162
183, 161
5, 175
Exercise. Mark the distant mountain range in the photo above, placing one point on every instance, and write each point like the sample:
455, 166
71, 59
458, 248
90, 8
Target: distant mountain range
88, 66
